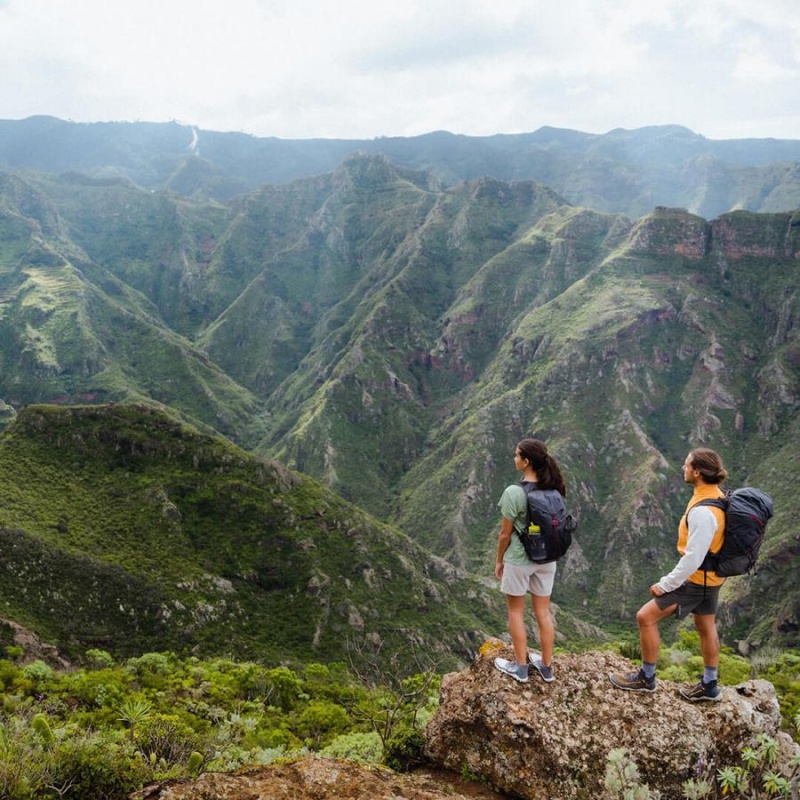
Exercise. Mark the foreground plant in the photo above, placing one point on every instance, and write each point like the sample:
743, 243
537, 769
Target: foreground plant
754, 779
623, 780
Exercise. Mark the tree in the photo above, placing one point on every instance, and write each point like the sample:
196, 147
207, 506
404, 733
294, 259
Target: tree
394, 695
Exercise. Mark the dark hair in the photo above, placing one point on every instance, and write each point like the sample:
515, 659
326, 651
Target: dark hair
548, 474
709, 464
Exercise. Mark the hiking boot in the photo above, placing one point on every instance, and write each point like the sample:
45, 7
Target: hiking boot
545, 672
702, 691
633, 682
519, 672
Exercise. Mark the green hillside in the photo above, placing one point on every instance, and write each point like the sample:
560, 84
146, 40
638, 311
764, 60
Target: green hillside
123, 529
77, 329
655, 351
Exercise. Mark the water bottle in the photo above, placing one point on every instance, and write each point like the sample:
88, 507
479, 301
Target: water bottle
539, 551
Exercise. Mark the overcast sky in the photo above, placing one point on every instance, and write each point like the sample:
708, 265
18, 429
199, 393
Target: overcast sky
365, 68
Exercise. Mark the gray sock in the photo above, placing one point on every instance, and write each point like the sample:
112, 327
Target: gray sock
648, 669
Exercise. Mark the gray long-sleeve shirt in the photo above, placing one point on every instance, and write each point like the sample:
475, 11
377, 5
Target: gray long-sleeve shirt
702, 527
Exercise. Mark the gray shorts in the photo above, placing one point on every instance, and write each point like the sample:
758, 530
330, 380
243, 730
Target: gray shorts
691, 598
534, 578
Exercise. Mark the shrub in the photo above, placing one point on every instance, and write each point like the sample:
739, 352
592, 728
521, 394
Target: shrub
151, 664
232, 758
14, 652
403, 750
38, 672
167, 737
366, 748
622, 777
102, 688
321, 720
283, 688
95, 767
23, 769
98, 659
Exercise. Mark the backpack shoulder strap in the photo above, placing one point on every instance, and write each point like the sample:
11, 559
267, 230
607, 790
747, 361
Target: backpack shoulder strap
717, 502
526, 487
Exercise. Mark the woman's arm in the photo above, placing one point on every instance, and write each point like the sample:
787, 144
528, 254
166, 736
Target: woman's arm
503, 541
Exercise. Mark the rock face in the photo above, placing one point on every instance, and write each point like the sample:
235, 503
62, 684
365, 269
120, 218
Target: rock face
552, 740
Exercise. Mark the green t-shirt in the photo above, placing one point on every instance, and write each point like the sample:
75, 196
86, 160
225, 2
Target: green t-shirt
513, 505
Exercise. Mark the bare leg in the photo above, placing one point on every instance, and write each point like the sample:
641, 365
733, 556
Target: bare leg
516, 627
648, 617
547, 633
709, 639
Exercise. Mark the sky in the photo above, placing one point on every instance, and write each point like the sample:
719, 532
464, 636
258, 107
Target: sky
359, 69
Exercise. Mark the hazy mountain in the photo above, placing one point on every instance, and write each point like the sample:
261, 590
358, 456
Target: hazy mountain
624, 171
394, 339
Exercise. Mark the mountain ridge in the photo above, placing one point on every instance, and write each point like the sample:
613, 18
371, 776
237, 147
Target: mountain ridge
621, 171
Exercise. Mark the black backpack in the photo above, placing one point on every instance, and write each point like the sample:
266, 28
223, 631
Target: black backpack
548, 514
747, 512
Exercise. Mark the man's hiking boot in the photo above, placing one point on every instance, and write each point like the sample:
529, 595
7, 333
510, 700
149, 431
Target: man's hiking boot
519, 672
633, 682
545, 672
702, 691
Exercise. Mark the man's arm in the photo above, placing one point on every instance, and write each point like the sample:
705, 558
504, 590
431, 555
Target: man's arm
702, 527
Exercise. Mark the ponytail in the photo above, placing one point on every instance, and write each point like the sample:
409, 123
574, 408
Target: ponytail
548, 473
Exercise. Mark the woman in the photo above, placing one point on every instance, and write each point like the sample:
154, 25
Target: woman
517, 574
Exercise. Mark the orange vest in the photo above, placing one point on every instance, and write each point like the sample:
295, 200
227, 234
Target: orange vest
704, 492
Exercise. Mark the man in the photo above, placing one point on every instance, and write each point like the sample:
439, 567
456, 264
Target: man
687, 589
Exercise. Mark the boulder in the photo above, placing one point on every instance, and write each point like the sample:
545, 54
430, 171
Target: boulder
552, 740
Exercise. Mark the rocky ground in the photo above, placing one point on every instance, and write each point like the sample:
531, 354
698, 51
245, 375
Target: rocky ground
323, 779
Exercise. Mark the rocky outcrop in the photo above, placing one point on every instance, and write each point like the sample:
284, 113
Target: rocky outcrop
320, 779
736, 235
33, 648
539, 740
671, 232
741, 234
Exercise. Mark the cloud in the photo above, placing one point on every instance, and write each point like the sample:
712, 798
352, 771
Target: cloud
357, 69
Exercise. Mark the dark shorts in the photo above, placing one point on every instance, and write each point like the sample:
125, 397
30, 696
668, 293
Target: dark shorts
691, 598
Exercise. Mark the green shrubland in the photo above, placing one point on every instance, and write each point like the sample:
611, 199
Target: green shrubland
112, 726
